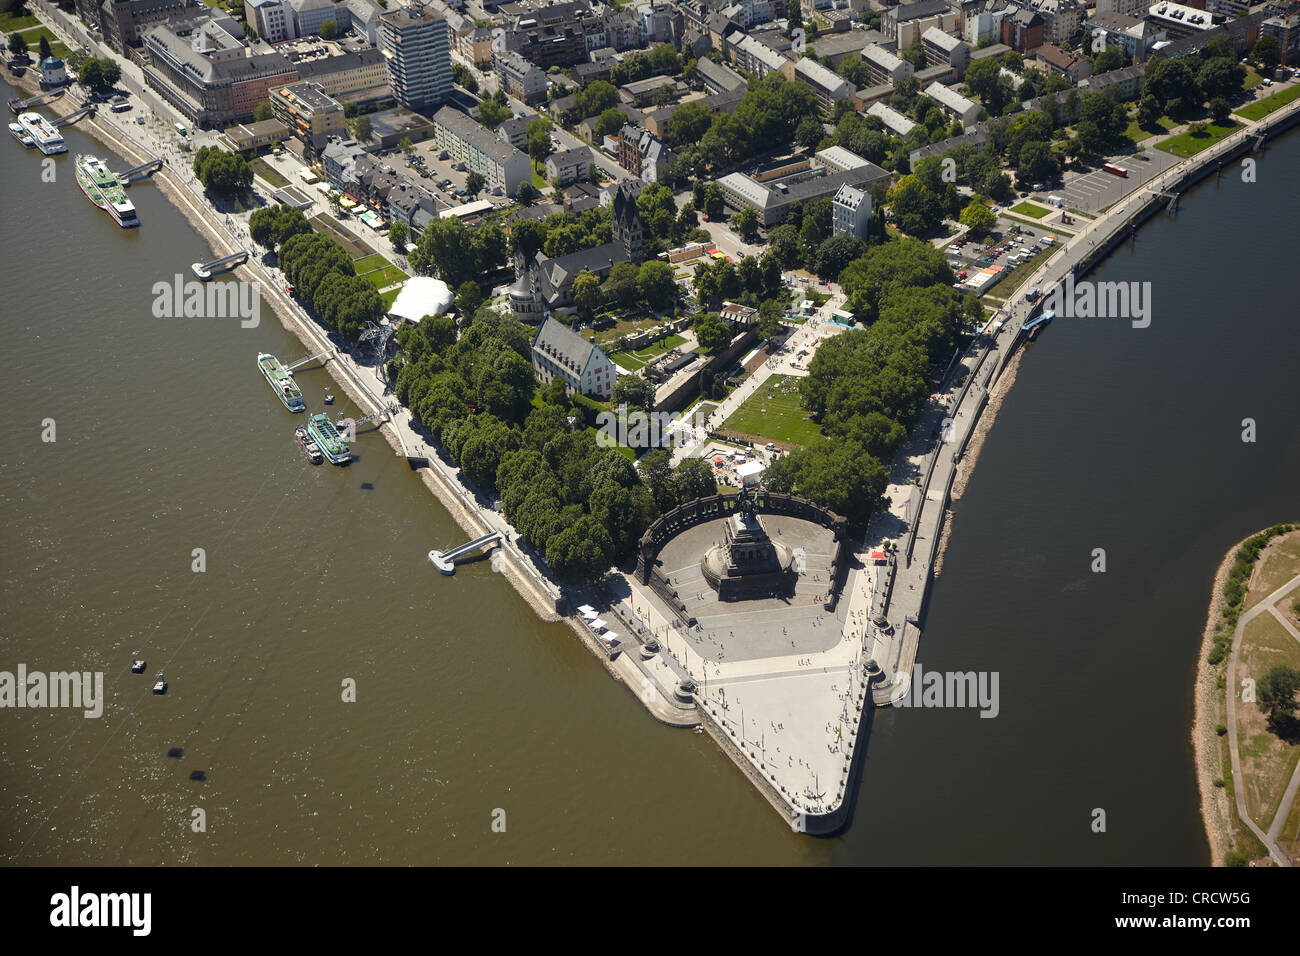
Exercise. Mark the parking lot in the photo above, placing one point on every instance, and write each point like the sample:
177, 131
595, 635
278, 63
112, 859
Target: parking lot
1007, 240
1094, 191
439, 170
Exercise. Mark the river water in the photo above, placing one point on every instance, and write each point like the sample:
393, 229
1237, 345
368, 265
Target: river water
168, 440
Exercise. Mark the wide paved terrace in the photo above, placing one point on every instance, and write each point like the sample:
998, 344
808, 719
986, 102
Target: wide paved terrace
780, 676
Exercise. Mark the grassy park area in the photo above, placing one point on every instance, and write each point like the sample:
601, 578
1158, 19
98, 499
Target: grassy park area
774, 413
1139, 133
268, 173
1031, 209
350, 243
12, 24
1261, 108
1188, 143
640, 358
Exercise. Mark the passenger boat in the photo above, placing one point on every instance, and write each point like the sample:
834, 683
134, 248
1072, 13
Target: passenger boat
309, 447
281, 382
105, 190
46, 135
20, 134
327, 437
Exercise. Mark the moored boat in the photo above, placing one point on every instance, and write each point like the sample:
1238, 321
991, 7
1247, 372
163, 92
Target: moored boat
46, 135
281, 381
309, 447
327, 437
20, 134
102, 187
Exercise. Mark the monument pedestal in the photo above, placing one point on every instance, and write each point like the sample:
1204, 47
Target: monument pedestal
748, 564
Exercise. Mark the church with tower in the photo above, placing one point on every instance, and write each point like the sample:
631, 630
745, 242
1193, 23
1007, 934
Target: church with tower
544, 285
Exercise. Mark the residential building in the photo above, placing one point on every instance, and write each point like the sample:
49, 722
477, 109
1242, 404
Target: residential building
1134, 36
1128, 8
363, 16
481, 151
250, 137
641, 92
1023, 31
1061, 19
124, 21
977, 137
657, 121
308, 15
642, 153
272, 19
560, 352
417, 50
1051, 57
752, 56
568, 166
835, 48
850, 212
906, 23
826, 84
885, 67
1180, 21
837, 159
718, 78
521, 79
894, 121
1126, 82
944, 48
1286, 30
311, 114
549, 46
515, 132
208, 75
953, 103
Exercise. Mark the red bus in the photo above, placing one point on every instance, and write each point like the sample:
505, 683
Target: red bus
1115, 170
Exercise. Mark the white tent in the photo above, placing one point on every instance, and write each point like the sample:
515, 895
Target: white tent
610, 637
587, 609
421, 296
598, 625
749, 473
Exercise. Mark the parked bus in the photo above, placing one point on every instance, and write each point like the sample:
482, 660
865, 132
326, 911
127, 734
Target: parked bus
1115, 170
180, 129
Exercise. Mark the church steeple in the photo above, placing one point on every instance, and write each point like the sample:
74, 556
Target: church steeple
626, 222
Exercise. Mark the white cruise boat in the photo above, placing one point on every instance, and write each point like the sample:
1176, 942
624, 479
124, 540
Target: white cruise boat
47, 136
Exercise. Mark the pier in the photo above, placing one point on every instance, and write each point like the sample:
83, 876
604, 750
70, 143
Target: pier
17, 105
205, 270
302, 361
140, 171
445, 561
74, 116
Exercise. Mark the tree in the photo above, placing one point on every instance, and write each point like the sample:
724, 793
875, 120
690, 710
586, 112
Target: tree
609, 123
45, 48
263, 111
915, 208
978, 219
621, 285
539, 140
18, 44
527, 194
222, 173
329, 30
664, 95
835, 253
1037, 161
809, 132
656, 284
712, 332
99, 75
595, 99
464, 78
406, 146
475, 183
1220, 76
795, 18
1266, 52
1276, 691
855, 70
783, 241
634, 392
362, 128
397, 235
493, 111
1220, 110
1148, 112
746, 224
659, 479
586, 292
468, 297
688, 124
580, 553
272, 226
694, 479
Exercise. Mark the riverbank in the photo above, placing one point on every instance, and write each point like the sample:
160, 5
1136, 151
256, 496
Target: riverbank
1208, 713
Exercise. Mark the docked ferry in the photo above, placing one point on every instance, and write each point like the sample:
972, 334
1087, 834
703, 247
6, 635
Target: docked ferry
46, 135
328, 439
282, 382
20, 134
105, 190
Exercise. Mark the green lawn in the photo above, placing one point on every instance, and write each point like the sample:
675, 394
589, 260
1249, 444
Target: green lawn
1138, 133
1253, 79
1185, 144
268, 173
12, 24
389, 297
33, 38
371, 263
774, 412
1261, 108
1030, 209
642, 357
383, 278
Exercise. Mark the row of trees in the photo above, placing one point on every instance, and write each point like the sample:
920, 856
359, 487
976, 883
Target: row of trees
866, 388
455, 252
322, 276
578, 504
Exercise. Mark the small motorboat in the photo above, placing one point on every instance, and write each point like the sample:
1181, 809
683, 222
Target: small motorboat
329, 399
161, 686
309, 447
137, 666
341, 422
